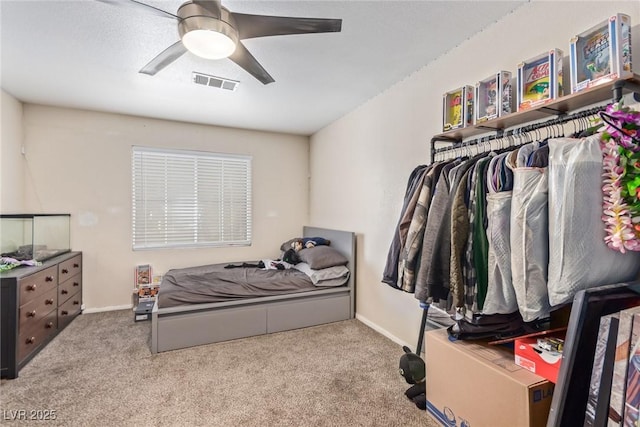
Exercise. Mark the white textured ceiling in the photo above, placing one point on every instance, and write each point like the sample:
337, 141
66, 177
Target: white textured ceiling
86, 54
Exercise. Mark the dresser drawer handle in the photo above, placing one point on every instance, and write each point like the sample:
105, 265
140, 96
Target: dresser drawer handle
31, 313
76, 302
64, 313
48, 279
65, 271
49, 301
76, 265
49, 325
32, 287
76, 284
64, 292
30, 340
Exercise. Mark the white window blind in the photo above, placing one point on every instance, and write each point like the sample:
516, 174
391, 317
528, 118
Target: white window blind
190, 198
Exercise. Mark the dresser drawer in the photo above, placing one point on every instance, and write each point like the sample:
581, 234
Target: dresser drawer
30, 338
69, 268
37, 308
37, 284
68, 310
68, 288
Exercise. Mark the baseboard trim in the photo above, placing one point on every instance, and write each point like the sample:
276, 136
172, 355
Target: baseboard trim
110, 308
383, 331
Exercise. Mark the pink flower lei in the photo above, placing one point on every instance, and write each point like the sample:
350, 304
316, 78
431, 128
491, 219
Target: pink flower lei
621, 184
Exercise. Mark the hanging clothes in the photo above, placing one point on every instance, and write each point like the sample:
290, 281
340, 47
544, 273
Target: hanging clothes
412, 248
432, 280
480, 249
439, 277
390, 274
459, 235
468, 267
508, 238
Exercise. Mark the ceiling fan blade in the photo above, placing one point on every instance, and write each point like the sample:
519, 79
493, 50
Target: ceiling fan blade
140, 6
212, 6
250, 26
244, 59
165, 58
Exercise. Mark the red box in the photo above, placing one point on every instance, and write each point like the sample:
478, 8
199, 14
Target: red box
541, 362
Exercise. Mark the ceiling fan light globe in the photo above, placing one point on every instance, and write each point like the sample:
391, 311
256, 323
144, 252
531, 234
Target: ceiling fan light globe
209, 44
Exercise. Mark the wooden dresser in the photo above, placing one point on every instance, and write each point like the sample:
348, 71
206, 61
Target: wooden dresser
36, 303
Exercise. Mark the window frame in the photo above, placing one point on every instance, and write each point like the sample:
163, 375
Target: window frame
240, 177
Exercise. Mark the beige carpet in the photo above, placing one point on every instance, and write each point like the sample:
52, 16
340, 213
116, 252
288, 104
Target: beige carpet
99, 371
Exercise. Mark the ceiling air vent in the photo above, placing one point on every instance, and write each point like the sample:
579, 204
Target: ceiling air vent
219, 82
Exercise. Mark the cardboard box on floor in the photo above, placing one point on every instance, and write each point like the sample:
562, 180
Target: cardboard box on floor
471, 384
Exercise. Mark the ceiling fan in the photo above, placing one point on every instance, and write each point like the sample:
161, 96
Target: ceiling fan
211, 31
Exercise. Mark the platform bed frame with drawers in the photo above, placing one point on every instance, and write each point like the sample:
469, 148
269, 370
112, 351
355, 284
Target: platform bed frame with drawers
198, 324
37, 303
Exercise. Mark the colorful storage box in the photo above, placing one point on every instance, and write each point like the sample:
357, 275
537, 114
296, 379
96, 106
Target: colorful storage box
601, 54
458, 108
493, 97
540, 80
530, 355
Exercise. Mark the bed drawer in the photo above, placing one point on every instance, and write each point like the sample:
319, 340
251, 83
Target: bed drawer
186, 330
307, 312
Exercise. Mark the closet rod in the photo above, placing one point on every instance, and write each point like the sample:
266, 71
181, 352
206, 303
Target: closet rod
511, 133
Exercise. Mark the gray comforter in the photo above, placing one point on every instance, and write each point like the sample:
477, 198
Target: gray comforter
214, 283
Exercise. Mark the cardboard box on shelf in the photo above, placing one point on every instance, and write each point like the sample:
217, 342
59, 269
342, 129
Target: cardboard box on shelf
475, 384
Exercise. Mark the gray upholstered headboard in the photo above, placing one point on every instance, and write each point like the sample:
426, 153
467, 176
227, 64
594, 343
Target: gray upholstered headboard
343, 241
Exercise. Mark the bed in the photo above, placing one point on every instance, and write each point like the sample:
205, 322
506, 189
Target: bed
186, 321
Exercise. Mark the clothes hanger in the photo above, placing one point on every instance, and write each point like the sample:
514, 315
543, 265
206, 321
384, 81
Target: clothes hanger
575, 128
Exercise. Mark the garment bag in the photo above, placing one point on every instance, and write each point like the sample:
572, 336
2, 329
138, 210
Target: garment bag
529, 237
579, 258
501, 297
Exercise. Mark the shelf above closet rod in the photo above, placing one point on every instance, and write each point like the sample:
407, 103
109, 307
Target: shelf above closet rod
609, 91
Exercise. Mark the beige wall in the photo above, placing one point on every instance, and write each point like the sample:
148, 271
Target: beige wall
80, 163
11, 161
360, 164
